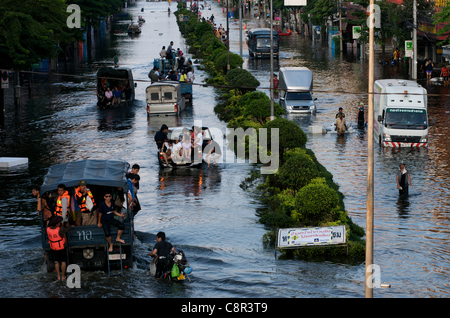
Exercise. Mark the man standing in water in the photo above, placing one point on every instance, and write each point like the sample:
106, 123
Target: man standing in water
403, 179
360, 116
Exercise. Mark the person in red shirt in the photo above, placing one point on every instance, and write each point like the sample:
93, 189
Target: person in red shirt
275, 83
444, 73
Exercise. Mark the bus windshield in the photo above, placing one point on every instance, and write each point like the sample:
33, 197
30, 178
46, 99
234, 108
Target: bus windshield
402, 118
265, 43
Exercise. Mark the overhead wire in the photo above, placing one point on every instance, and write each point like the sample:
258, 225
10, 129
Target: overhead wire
339, 92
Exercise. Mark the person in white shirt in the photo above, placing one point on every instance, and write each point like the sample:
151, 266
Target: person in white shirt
176, 152
190, 76
198, 142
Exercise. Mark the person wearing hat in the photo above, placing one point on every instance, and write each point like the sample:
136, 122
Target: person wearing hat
403, 179
58, 244
360, 116
85, 200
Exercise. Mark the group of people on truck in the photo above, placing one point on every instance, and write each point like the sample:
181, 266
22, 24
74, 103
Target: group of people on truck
111, 92
179, 68
179, 148
66, 208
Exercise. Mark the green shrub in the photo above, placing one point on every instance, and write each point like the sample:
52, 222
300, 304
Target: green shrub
235, 61
258, 107
297, 171
242, 78
315, 203
290, 135
202, 28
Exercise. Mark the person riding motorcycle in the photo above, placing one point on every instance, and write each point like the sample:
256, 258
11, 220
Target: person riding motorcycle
162, 250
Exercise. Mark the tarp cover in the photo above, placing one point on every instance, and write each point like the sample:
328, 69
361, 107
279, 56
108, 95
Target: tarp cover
113, 73
94, 172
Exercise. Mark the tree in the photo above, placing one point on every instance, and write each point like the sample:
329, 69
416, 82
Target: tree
32, 31
290, 135
443, 17
315, 203
240, 78
257, 106
298, 170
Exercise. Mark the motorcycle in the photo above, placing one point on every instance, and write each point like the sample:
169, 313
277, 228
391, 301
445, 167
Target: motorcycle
176, 267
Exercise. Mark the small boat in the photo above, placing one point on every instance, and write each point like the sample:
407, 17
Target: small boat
141, 19
289, 32
134, 28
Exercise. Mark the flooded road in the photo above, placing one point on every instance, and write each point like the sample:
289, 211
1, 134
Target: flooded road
205, 212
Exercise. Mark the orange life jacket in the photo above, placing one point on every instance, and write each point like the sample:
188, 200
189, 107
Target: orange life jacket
78, 195
55, 240
58, 209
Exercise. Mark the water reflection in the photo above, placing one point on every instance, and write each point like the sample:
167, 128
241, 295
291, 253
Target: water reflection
189, 182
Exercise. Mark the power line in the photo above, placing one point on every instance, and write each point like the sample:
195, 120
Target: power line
338, 92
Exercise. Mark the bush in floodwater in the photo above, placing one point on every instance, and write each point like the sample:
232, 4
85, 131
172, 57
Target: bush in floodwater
235, 61
242, 78
297, 171
202, 28
290, 135
316, 203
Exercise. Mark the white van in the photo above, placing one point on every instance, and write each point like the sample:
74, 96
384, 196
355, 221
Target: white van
164, 98
400, 113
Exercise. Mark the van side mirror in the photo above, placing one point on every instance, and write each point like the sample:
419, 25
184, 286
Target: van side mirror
315, 98
135, 84
380, 119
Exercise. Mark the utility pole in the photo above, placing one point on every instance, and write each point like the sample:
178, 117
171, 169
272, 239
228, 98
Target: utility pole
414, 59
228, 42
369, 208
240, 28
341, 45
272, 115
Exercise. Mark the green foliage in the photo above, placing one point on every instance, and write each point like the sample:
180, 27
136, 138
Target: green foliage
30, 31
202, 28
235, 61
297, 171
443, 17
239, 77
315, 203
290, 135
257, 106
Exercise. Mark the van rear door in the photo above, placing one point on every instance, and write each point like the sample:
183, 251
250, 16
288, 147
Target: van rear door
161, 99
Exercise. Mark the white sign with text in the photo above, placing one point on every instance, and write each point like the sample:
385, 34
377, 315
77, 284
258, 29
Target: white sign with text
298, 237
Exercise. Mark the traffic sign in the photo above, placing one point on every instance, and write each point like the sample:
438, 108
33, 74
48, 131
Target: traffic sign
5, 79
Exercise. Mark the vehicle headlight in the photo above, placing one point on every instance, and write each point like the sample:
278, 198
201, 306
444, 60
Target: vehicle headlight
424, 139
386, 137
288, 107
312, 107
